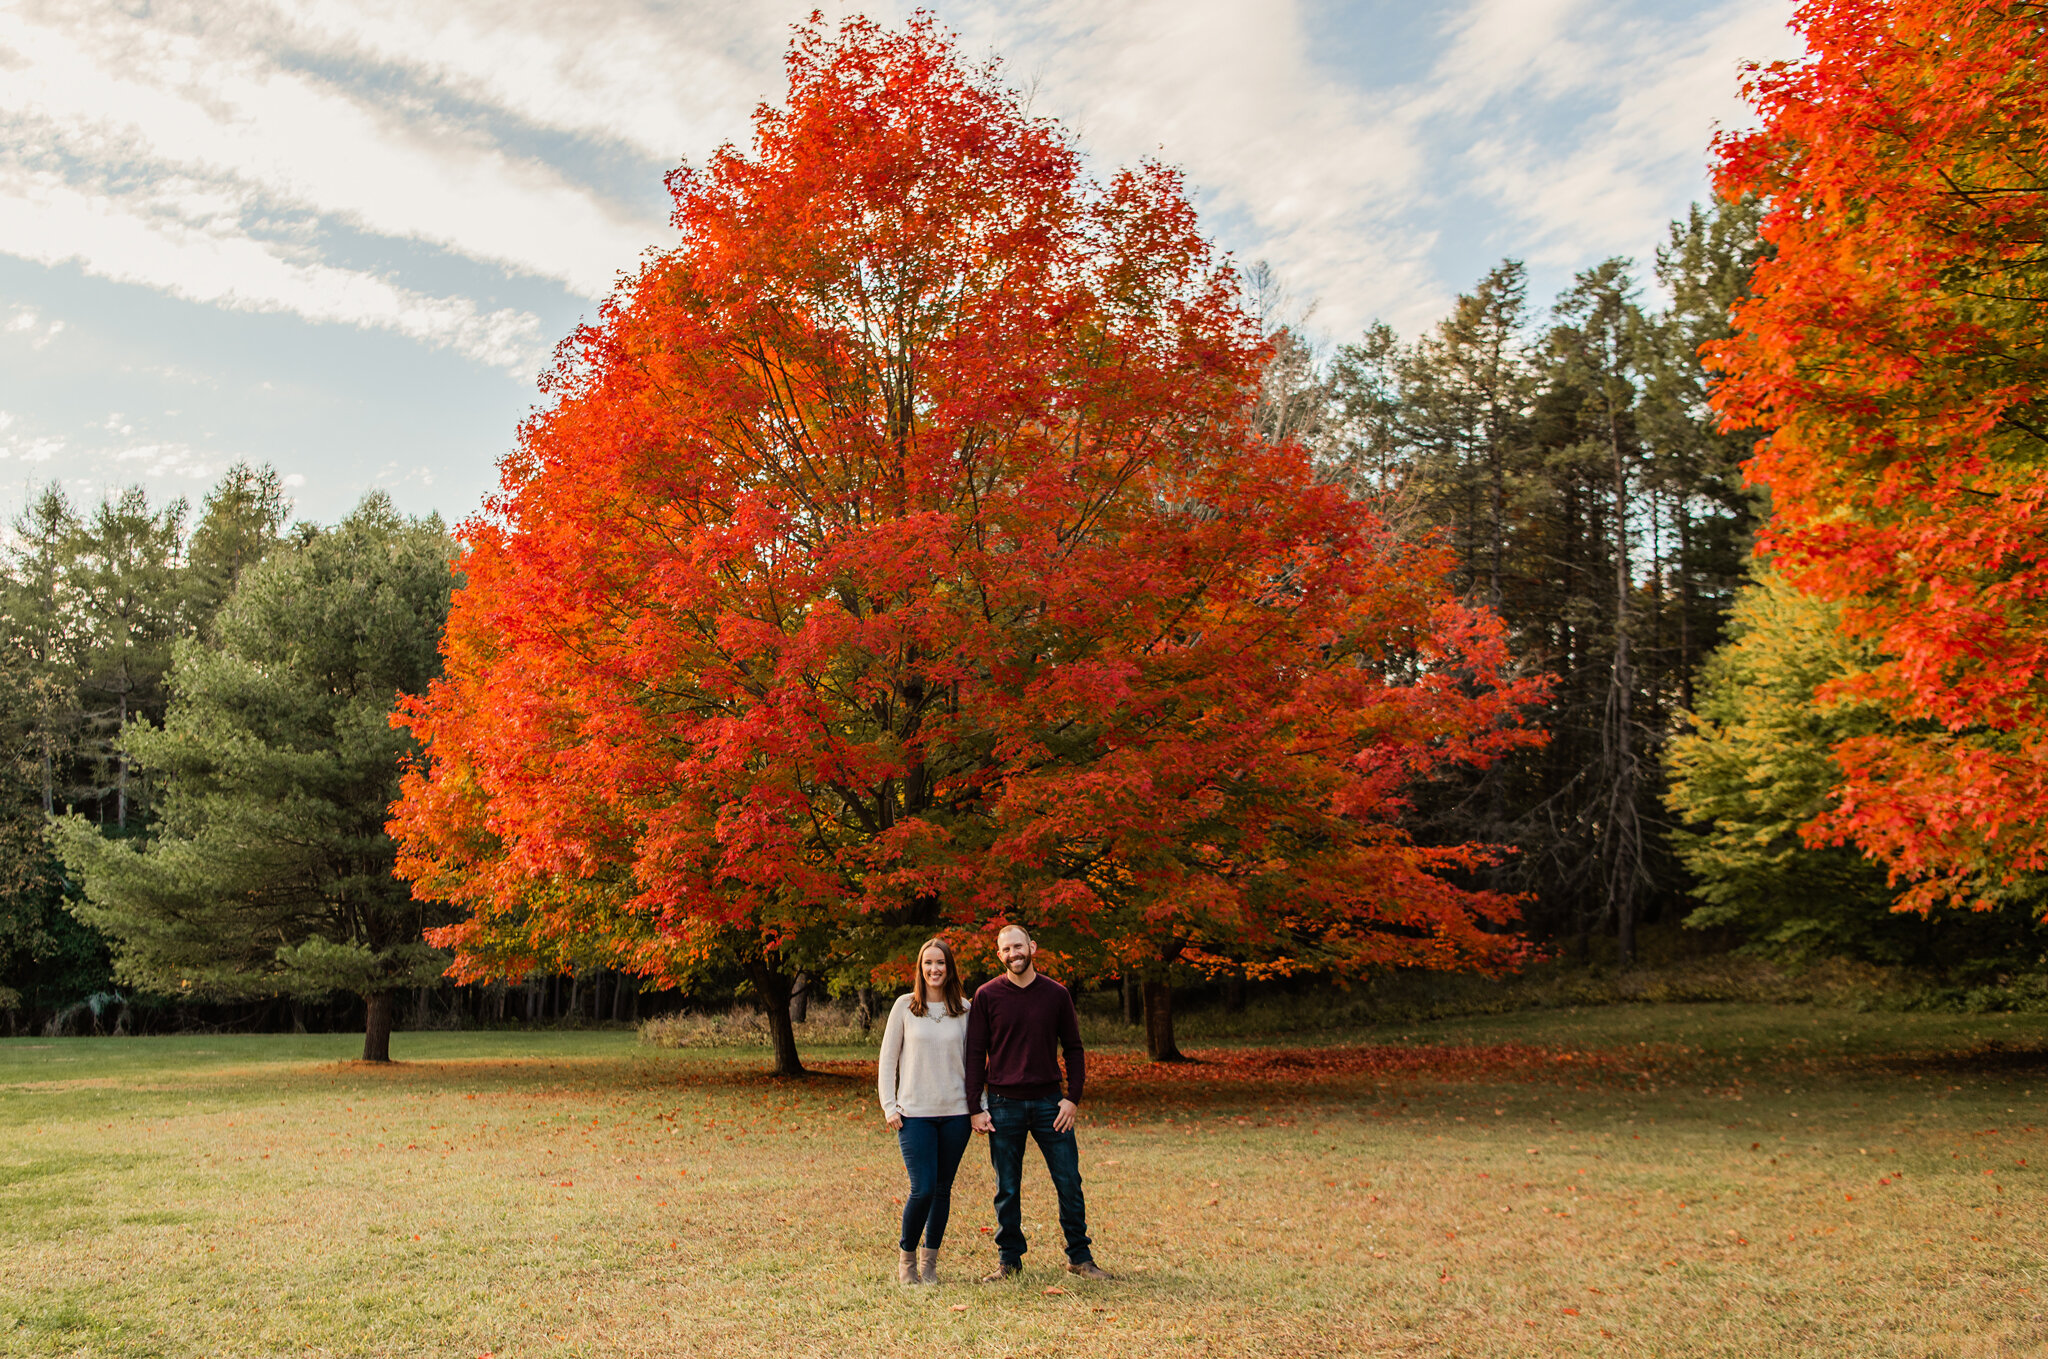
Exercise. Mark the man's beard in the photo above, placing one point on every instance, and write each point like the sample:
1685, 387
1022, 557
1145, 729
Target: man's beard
1019, 964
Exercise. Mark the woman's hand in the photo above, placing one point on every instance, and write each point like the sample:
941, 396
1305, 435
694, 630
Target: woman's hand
895, 1122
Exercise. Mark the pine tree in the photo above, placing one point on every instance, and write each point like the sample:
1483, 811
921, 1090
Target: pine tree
269, 870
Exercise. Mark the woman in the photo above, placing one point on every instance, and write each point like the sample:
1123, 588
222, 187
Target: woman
923, 1087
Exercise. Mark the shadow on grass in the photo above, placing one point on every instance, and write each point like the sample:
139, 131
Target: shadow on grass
1992, 1058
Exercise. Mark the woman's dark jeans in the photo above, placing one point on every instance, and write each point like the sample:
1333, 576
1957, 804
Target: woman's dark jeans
932, 1148
1016, 1120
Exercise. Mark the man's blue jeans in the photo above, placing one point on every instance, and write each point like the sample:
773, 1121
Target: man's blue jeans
1015, 1120
932, 1148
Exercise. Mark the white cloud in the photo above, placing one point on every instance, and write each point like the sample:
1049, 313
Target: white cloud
668, 83
197, 101
28, 322
176, 460
47, 221
1610, 188
31, 448
218, 150
1313, 173
1581, 126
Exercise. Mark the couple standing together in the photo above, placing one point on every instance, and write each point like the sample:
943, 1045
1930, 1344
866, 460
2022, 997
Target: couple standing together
940, 1055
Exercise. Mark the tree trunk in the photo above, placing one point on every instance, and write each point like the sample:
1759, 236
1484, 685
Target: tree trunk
1134, 1003
1625, 846
121, 773
1233, 991
1159, 1044
864, 1007
377, 1027
774, 989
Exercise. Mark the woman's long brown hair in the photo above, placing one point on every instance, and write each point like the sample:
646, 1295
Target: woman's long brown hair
950, 991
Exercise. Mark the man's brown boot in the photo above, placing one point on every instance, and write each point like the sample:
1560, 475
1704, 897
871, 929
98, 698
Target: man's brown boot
928, 1264
1088, 1269
1003, 1272
906, 1267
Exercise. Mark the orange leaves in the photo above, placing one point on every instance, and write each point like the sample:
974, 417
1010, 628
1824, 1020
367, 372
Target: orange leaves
1896, 351
1297, 1068
898, 551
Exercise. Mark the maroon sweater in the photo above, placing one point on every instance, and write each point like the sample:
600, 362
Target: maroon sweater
1015, 1037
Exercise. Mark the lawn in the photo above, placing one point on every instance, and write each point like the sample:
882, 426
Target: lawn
1630, 1180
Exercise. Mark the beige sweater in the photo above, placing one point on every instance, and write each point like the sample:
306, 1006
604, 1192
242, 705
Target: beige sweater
923, 1073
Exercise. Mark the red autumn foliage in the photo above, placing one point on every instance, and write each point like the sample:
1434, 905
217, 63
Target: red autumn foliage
1896, 348
897, 552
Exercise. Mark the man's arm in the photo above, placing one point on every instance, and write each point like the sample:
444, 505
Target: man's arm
1076, 1061
975, 1058
1070, 1049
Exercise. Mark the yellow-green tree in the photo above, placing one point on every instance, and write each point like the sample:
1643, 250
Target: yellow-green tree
1756, 767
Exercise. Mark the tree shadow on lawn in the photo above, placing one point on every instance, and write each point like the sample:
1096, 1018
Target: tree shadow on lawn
1991, 1058
1127, 1080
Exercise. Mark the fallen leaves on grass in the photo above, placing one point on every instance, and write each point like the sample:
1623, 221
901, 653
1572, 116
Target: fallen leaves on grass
1321, 1066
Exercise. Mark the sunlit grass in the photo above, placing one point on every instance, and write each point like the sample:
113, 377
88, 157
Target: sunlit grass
1675, 1180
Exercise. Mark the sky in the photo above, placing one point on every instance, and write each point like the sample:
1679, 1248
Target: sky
343, 236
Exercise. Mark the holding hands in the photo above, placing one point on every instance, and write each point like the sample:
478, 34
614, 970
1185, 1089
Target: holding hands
1063, 1121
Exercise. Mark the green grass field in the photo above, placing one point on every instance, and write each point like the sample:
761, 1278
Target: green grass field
1632, 1180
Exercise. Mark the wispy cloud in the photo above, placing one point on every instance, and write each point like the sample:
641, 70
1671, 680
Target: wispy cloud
1568, 127
140, 239
1298, 165
1646, 91
430, 121
469, 174
168, 148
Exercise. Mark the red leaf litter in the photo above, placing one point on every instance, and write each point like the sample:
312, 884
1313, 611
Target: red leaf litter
1338, 1065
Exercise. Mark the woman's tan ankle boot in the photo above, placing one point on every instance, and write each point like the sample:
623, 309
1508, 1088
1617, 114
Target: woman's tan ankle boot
928, 1264
906, 1267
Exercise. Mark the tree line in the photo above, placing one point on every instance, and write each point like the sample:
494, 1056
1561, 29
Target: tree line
767, 691
1568, 458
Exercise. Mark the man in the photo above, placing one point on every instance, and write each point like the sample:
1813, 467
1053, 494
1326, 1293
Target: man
1018, 1028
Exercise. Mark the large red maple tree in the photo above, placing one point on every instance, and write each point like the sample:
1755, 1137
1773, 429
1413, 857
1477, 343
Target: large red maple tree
1896, 349
896, 552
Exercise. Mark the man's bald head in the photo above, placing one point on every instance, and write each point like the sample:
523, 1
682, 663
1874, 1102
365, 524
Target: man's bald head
1014, 949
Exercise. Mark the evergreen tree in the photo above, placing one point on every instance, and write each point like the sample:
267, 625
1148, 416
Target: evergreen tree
240, 521
1592, 363
270, 871
122, 569
1576, 472
1700, 506
42, 637
46, 958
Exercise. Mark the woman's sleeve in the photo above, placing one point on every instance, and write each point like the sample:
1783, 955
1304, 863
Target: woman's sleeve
892, 1052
